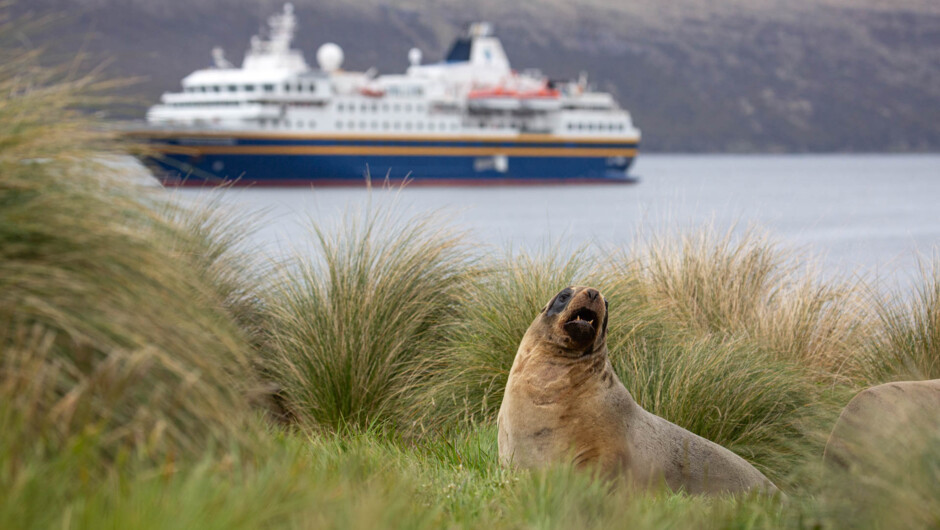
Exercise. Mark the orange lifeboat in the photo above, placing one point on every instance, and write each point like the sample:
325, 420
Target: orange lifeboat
498, 98
372, 92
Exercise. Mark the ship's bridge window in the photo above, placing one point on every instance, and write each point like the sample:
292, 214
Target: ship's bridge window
269, 88
313, 87
300, 87
233, 88
216, 88
249, 88
286, 88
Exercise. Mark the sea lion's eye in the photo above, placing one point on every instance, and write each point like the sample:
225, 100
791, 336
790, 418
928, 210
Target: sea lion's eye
558, 304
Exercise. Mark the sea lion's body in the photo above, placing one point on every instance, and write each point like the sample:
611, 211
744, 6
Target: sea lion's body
563, 402
881, 419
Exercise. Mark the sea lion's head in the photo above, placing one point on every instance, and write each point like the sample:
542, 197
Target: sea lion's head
574, 321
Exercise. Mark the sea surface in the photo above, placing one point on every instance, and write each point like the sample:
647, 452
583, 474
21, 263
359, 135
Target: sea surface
867, 215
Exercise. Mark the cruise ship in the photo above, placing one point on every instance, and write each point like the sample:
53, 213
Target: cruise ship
468, 119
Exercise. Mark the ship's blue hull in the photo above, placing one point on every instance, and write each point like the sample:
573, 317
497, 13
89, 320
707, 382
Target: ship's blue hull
297, 159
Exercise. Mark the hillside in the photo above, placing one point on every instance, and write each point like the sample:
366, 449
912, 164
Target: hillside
826, 75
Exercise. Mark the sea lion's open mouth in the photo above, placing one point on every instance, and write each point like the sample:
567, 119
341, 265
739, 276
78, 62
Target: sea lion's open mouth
582, 325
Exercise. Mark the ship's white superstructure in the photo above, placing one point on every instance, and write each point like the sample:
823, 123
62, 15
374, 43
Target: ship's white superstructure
473, 91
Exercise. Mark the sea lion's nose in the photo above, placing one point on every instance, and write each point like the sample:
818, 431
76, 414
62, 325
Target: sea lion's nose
592, 294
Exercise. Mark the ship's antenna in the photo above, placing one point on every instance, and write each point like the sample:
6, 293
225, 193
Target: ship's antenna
218, 58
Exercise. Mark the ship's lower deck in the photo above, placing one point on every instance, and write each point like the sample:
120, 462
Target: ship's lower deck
298, 160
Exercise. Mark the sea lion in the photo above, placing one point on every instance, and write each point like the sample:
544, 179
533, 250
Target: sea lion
563, 402
882, 420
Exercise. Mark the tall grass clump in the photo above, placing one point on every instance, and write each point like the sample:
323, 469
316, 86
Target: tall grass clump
348, 328
730, 393
747, 286
107, 330
468, 378
906, 345
214, 240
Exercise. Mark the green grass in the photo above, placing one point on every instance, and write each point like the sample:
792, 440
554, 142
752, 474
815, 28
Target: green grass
136, 333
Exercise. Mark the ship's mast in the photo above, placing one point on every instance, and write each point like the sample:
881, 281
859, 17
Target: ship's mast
275, 51
282, 28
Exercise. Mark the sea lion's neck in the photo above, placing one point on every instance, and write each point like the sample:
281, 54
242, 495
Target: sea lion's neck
574, 369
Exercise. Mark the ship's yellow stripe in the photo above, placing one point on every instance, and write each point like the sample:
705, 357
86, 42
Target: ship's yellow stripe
389, 150
522, 138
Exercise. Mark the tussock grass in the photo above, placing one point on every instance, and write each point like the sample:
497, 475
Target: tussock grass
906, 345
214, 240
105, 326
731, 393
747, 286
347, 331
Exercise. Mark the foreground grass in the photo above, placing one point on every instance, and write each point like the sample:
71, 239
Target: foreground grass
351, 480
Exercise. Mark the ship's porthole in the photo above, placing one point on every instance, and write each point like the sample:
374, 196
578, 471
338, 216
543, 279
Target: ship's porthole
217, 166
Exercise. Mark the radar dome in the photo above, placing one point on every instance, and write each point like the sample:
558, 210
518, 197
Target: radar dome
414, 56
330, 57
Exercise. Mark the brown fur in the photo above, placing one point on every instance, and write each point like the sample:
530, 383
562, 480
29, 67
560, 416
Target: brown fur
879, 418
563, 402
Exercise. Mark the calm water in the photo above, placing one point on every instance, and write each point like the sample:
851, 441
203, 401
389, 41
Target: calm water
860, 214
